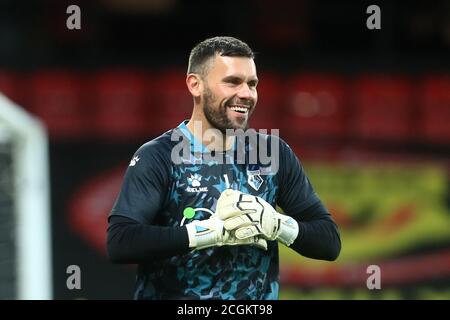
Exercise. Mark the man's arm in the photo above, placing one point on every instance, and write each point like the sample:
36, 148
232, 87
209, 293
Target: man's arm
318, 236
129, 241
311, 232
132, 237
132, 242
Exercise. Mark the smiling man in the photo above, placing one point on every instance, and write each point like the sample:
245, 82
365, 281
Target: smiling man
223, 86
203, 229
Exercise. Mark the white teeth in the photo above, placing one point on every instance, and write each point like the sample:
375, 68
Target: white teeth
239, 109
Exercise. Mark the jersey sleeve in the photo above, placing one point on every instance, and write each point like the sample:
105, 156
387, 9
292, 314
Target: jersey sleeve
145, 185
296, 192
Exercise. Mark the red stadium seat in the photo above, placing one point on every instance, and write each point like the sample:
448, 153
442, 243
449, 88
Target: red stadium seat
175, 101
316, 108
120, 102
434, 110
55, 97
382, 108
267, 114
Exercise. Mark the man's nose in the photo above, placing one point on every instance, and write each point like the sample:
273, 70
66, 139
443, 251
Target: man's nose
245, 92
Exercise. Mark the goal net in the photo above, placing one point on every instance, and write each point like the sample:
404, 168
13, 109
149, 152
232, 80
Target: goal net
25, 246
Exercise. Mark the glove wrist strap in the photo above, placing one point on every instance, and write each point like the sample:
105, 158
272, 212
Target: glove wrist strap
288, 230
200, 237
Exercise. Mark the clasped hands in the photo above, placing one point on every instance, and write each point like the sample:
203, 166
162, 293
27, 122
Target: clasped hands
242, 219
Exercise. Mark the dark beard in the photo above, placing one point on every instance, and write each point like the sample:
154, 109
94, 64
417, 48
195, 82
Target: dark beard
218, 118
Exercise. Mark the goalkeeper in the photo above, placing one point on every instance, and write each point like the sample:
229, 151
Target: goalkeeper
209, 230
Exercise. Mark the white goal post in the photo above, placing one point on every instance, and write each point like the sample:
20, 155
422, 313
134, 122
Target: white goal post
31, 201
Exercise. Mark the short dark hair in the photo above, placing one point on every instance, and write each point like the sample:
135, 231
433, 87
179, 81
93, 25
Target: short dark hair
207, 49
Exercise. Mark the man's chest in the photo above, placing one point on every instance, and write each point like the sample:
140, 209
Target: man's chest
195, 189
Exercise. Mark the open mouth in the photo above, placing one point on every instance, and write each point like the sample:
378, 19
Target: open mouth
239, 108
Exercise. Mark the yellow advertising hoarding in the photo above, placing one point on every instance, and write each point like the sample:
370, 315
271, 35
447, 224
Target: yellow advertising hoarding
394, 216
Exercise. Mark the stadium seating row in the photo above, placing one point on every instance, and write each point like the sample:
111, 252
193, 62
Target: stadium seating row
122, 104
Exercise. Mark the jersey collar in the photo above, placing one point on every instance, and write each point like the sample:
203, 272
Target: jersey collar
196, 145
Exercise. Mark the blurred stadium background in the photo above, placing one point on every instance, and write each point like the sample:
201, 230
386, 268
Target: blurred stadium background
367, 112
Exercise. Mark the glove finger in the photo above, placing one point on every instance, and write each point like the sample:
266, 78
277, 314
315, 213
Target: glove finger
247, 232
233, 241
229, 193
232, 202
247, 202
226, 206
225, 212
229, 211
255, 241
237, 222
260, 243
228, 197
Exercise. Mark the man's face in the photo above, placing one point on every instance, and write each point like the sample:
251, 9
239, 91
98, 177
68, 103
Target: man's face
229, 95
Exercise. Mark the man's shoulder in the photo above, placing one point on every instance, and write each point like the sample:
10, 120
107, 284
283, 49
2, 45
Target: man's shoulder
160, 146
272, 138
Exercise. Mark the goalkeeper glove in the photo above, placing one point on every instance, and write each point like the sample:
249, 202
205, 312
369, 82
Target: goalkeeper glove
250, 216
211, 233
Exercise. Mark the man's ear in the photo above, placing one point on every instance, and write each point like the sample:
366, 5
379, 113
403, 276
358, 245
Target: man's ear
194, 84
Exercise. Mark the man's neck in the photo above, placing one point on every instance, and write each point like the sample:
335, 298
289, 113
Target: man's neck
209, 136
